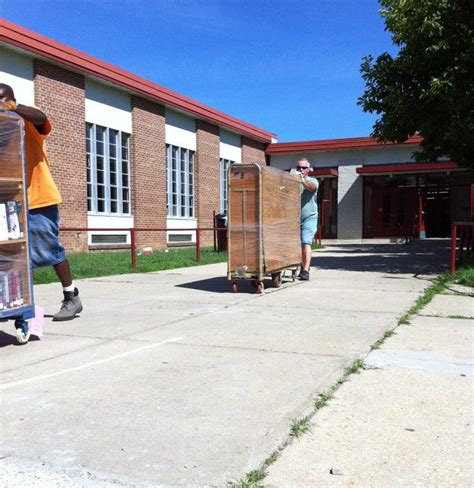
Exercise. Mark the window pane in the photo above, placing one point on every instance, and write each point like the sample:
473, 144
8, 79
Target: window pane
99, 133
100, 163
113, 206
100, 191
100, 206
125, 208
100, 177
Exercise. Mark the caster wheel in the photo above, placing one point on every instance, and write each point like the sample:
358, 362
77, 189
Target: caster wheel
22, 331
276, 280
234, 287
258, 285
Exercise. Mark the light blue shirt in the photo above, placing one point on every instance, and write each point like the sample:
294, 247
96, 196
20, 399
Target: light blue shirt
309, 205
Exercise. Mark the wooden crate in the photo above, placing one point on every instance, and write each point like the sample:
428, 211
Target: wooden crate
263, 221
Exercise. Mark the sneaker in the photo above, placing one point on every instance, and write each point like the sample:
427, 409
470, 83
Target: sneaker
71, 306
304, 275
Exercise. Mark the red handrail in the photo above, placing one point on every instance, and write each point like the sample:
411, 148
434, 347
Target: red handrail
465, 242
133, 230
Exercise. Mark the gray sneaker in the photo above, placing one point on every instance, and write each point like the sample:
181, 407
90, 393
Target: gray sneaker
71, 306
304, 275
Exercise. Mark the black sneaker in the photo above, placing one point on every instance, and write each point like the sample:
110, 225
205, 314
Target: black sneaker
304, 275
71, 306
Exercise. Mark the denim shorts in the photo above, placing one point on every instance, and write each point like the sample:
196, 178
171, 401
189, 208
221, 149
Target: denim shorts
308, 229
45, 247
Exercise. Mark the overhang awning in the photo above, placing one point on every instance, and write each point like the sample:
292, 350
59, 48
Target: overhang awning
407, 168
324, 173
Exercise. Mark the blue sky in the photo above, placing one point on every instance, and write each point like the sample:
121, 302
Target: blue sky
291, 67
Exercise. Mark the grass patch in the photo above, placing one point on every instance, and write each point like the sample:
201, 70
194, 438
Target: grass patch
386, 335
272, 458
315, 246
434, 289
322, 400
299, 427
251, 480
106, 263
354, 367
465, 276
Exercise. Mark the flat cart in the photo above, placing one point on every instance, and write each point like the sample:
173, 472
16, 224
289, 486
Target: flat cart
263, 224
16, 284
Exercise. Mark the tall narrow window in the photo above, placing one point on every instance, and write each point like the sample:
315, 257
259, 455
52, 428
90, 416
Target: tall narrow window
225, 163
180, 181
108, 170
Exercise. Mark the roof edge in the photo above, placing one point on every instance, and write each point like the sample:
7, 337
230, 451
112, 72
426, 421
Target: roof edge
47, 48
334, 144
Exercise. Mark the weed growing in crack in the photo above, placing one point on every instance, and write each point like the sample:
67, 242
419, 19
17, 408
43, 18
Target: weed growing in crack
299, 427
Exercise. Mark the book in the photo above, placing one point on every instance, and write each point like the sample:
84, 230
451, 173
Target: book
3, 222
12, 220
19, 208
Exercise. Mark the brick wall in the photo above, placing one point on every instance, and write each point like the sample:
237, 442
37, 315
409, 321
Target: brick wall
60, 93
148, 162
207, 176
253, 151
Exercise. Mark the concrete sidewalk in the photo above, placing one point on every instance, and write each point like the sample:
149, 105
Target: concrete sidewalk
168, 379
406, 420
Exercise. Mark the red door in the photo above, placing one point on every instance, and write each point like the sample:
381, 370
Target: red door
393, 211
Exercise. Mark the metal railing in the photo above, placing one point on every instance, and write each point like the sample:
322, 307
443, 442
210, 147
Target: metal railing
462, 234
134, 230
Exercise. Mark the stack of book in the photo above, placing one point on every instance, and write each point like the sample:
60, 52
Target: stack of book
11, 289
10, 220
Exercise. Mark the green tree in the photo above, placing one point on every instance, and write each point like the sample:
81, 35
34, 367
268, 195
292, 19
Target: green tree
427, 88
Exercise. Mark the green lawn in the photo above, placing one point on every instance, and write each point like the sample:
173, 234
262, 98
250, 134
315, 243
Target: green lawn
465, 276
94, 264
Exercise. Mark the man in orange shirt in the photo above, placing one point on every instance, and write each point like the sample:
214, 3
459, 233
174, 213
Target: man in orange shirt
43, 199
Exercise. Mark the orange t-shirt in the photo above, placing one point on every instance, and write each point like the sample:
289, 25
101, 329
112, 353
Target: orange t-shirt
42, 191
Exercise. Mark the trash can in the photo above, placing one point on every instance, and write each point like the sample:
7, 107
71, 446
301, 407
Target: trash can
221, 221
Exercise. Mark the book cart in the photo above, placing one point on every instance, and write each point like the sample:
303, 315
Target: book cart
264, 208
16, 288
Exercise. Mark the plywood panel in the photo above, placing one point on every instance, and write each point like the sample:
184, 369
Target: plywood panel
264, 219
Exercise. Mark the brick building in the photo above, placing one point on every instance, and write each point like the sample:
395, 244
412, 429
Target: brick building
126, 152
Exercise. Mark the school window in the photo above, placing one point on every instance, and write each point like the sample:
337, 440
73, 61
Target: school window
180, 181
225, 163
108, 170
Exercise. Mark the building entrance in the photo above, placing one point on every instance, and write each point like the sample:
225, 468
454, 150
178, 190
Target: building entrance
419, 205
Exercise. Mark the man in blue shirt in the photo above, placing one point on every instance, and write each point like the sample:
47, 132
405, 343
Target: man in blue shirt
309, 214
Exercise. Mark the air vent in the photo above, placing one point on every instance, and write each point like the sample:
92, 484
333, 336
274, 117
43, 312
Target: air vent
180, 237
109, 238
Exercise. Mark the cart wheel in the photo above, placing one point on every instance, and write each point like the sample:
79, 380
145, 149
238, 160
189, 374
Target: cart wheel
22, 331
293, 275
258, 285
235, 288
276, 280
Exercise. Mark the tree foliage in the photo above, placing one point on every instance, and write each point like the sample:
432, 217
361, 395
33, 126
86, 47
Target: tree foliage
427, 88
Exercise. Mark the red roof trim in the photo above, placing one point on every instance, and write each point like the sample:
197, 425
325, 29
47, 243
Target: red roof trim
406, 168
328, 172
333, 145
47, 48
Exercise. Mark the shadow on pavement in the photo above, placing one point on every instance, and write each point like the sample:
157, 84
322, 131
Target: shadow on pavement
7, 339
420, 257
221, 284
